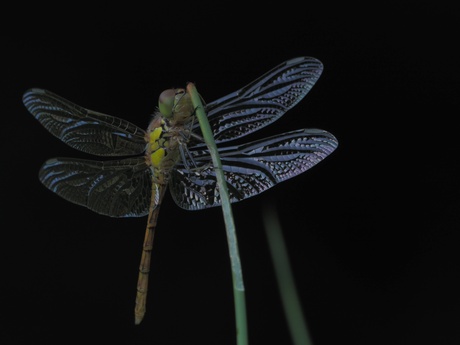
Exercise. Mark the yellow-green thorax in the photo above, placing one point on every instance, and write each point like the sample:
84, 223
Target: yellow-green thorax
169, 129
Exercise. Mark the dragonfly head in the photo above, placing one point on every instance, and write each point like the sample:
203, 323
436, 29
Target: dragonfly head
171, 101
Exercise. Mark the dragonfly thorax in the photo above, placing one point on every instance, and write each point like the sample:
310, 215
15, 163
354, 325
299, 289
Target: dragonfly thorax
167, 132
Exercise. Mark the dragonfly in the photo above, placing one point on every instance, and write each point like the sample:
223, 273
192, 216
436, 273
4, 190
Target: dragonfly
171, 153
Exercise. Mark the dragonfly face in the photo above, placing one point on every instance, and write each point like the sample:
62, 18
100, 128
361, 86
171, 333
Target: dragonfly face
170, 154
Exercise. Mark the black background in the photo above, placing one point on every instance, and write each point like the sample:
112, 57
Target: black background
372, 231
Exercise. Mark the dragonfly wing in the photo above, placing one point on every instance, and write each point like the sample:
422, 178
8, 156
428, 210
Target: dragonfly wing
263, 101
118, 188
249, 169
84, 129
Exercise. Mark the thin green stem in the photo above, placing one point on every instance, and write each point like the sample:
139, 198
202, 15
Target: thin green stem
237, 275
291, 302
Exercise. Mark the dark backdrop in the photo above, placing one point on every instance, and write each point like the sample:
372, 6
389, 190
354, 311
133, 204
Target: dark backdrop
372, 231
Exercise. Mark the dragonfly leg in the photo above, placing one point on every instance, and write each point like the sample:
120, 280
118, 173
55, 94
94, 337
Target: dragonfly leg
197, 137
190, 133
187, 157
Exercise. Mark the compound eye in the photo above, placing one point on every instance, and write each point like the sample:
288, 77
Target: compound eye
166, 102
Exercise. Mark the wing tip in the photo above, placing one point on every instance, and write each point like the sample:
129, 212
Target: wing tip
332, 140
31, 93
305, 59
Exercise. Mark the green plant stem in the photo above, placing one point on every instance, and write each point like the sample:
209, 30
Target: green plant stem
237, 275
289, 297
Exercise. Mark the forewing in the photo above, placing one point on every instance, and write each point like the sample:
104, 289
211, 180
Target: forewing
84, 129
263, 101
118, 188
249, 169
